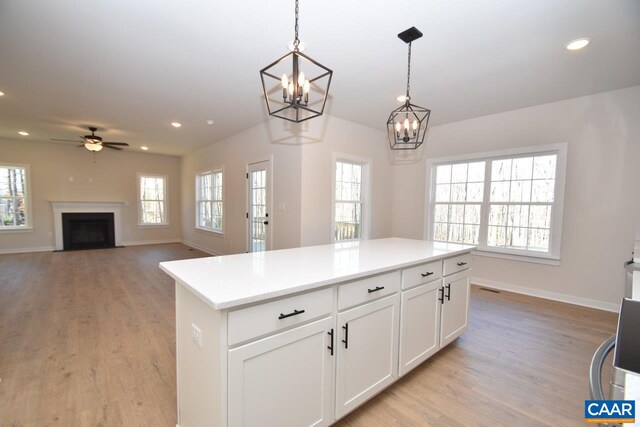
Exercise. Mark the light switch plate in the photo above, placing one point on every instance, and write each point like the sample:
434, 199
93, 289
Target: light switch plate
196, 335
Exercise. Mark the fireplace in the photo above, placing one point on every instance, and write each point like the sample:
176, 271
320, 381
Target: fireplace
85, 207
88, 230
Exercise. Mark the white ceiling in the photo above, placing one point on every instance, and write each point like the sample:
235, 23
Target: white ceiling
133, 67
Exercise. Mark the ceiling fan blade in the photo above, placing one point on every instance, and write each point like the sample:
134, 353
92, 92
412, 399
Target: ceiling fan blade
113, 148
65, 140
115, 143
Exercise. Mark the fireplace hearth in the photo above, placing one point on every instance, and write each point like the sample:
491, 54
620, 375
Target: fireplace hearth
88, 230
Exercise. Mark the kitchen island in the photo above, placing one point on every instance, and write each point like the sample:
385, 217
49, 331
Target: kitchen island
303, 336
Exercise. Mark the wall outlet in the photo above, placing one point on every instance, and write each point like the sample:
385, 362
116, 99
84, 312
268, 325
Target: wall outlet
196, 335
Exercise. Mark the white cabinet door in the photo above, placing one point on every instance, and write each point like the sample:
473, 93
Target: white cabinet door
419, 325
455, 307
367, 352
283, 380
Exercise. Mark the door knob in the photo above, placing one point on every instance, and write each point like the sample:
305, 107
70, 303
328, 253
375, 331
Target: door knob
266, 222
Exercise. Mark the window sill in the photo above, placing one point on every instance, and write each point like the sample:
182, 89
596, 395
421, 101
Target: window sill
547, 260
210, 230
153, 225
10, 230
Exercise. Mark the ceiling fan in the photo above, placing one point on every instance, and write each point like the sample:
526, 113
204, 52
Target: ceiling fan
95, 143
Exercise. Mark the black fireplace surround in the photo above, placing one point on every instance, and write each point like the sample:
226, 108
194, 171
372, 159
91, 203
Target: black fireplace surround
88, 230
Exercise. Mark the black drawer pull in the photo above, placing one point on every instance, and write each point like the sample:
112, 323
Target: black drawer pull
346, 335
331, 346
449, 292
376, 289
295, 313
460, 264
441, 296
427, 274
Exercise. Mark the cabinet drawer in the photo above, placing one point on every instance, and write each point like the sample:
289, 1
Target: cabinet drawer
455, 264
368, 289
423, 273
251, 322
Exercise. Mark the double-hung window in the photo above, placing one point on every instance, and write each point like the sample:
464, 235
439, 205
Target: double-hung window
209, 202
350, 197
14, 197
507, 202
458, 202
152, 192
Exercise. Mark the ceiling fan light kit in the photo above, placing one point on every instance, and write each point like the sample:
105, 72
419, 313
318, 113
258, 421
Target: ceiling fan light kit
291, 93
407, 124
94, 143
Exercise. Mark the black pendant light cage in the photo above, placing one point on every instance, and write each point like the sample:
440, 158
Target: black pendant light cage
300, 98
407, 124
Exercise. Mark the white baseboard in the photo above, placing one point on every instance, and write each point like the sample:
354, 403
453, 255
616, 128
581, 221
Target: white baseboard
52, 248
150, 242
570, 299
26, 250
201, 248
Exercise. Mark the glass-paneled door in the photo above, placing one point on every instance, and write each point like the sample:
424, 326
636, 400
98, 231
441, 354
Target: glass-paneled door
259, 204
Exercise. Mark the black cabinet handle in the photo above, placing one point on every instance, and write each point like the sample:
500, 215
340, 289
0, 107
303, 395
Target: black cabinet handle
331, 346
346, 335
441, 297
449, 292
376, 289
427, 274
266, 222
460, 264
295, 313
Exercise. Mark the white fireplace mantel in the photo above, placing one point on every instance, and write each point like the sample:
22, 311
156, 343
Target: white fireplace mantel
64, 206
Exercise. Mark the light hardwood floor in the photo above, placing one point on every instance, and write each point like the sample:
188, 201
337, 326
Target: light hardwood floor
87, 339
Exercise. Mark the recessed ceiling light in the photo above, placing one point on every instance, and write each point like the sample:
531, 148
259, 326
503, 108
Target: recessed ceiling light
176, 124
144, 147
210, 122
577, 44
1, 93
23, 133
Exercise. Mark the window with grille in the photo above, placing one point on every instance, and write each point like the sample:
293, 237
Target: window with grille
506, 202
459, 192
209, 202
350, 200
14, 197
152, 200
521, 202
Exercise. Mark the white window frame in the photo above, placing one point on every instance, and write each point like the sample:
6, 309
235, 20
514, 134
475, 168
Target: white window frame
553, 256
28, 225
166, 201
197, 200
365, 193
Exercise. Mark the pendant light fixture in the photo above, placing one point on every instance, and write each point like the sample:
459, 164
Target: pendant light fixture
291, 93
407, 125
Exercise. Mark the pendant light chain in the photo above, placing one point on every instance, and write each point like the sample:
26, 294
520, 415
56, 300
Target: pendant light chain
408, 72
296, 40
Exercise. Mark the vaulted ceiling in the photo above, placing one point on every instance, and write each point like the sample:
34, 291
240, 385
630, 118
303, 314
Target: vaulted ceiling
133, 67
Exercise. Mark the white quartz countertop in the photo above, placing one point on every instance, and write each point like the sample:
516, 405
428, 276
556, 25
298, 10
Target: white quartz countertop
229, 281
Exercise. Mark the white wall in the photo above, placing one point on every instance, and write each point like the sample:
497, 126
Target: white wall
602, 194
63, 172
343, 137
233, 154
302, 155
